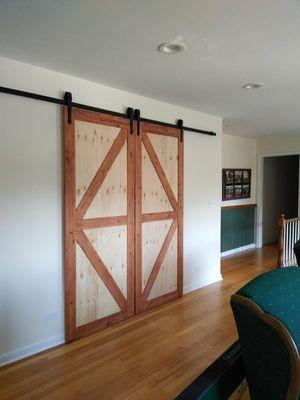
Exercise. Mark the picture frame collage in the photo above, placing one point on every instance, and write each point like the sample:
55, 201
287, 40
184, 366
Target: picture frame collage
236, 183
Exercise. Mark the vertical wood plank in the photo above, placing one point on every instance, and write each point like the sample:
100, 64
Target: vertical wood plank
69, 234
138, 223
180, 218
130, 224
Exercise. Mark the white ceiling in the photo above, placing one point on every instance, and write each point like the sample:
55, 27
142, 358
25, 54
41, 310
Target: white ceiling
229, 43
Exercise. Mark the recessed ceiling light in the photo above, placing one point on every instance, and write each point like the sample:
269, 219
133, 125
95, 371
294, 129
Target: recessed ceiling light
250, 86
171, 48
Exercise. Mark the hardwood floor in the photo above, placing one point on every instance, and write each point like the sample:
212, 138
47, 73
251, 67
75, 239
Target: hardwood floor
151, 356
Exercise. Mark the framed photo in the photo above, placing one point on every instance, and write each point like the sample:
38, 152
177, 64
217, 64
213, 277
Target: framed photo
246, 176
246, 191
238, 176
229, 177
229, 192
237, 191
236, 183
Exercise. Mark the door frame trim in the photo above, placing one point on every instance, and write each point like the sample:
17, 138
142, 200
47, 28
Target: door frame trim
260, 191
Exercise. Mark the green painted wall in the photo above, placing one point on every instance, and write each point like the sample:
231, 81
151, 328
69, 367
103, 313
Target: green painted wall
237, 228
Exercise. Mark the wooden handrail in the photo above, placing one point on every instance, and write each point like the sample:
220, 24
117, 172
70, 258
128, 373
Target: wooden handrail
291, 220
224, 208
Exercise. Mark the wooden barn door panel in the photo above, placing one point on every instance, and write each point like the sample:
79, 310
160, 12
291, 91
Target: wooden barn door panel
159, 174
99, 213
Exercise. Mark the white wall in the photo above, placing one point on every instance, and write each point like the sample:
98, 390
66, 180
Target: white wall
278, 145
238, 152
31, 285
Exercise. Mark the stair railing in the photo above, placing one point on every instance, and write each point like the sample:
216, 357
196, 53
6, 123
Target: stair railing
289, 235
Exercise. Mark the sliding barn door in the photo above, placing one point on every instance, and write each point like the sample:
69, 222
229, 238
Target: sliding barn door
99, 210
159, 177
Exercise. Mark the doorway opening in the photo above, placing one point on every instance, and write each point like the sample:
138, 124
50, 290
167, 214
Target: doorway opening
280, 193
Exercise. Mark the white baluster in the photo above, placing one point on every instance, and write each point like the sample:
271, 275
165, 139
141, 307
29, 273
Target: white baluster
284, 245
289, 242
294, 241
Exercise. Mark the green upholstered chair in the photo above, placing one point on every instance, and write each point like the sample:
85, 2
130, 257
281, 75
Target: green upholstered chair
267, 315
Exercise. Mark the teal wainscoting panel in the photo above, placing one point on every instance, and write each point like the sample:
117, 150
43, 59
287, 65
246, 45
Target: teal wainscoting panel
237, 227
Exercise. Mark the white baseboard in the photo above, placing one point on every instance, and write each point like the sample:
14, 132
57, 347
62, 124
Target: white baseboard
23, 352
201, 284
238, 250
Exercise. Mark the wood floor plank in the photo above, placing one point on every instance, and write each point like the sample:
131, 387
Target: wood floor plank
154, 355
